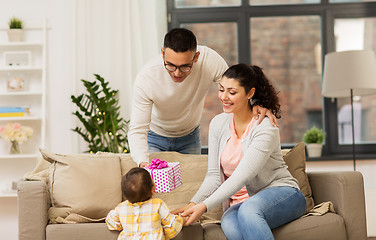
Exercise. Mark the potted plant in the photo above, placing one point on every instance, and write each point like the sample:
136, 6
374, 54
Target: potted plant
15, 29
313, 139
99, 113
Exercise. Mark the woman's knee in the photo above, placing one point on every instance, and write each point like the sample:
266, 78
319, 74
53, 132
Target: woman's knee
229, 217
230, 225
249, 209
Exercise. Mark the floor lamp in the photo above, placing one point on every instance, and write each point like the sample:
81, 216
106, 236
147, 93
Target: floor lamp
348, 74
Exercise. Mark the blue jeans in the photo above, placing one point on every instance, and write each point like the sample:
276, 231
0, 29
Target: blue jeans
266, 210
188, 144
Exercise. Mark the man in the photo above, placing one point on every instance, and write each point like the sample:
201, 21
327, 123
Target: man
169, 96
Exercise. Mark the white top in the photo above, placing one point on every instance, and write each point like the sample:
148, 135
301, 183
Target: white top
262, 165
168, 108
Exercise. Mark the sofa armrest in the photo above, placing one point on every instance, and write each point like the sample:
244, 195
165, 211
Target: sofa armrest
33, 204
346, 191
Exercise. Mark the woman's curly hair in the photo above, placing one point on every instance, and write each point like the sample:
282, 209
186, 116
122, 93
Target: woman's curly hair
252, 76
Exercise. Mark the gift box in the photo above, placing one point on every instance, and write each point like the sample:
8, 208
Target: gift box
166, 176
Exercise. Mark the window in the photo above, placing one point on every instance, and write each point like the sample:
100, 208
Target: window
276, 2
356, 34
206, 3
222, 37
288, 58
289, 39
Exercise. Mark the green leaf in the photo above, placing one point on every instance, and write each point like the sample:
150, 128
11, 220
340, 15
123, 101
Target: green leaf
99, 114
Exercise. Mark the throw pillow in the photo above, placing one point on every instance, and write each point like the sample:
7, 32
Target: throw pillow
126, 160
83, 185
296, 162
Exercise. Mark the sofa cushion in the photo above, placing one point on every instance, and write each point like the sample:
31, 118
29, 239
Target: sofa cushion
126, 160
296, 162
213, 231
84, 231
83, 187
326, 227
89, 231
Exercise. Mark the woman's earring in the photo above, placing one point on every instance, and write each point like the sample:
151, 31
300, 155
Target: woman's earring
251, 101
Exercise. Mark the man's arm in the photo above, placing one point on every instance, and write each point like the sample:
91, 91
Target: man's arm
216, 64
139, 125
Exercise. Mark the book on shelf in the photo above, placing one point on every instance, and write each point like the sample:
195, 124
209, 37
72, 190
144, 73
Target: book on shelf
14, 114
14, 111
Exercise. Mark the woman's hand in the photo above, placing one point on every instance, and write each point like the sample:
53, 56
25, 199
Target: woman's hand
262, 112
194, 213
182, 209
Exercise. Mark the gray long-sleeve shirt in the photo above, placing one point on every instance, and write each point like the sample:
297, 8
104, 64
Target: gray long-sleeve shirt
261, 166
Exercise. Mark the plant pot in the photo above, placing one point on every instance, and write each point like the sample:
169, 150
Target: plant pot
15, 35
314, 149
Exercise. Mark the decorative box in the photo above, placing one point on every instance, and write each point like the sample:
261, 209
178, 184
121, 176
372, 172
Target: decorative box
17, 58
167, 178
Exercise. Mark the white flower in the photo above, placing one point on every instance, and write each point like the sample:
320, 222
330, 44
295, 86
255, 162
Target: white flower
28, 130
20, 137
15, 132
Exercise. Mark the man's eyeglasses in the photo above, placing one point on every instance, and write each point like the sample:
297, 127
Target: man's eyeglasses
183, 68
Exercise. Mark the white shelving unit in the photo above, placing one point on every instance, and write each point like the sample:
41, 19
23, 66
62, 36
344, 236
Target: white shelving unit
14, 166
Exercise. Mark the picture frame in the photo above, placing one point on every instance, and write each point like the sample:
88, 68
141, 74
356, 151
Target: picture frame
15, 83
17, 58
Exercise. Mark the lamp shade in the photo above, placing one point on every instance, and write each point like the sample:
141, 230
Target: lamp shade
347, 70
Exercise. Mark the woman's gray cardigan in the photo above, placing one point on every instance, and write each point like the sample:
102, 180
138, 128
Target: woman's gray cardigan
261, 166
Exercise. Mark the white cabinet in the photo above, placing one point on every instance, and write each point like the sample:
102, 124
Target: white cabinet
25, 60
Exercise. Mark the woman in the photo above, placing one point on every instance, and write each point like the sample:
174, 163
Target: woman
246, 171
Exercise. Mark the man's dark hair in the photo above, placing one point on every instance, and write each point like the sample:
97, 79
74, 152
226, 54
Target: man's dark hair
136, 185
180, 40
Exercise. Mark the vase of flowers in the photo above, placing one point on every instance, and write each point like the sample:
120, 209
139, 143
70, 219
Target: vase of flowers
16, 134
14, 147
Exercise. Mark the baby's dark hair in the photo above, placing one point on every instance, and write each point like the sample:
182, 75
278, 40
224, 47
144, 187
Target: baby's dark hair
137, 185
252, 76
180, 40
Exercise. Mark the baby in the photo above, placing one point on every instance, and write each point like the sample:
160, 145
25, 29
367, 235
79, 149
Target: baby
141, 216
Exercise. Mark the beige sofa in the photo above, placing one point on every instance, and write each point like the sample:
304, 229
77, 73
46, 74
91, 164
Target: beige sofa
344, 189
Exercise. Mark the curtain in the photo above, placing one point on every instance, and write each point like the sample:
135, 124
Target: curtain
115, 38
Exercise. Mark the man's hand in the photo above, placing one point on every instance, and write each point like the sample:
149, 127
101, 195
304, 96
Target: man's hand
261, 112
194, 213
144, 164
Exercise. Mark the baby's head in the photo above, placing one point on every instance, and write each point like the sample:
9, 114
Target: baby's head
137, 185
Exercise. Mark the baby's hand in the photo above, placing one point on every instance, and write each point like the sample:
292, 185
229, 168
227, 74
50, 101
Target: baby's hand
185, 219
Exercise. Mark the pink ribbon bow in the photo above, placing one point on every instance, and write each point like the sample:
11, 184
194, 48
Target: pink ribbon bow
157, 163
